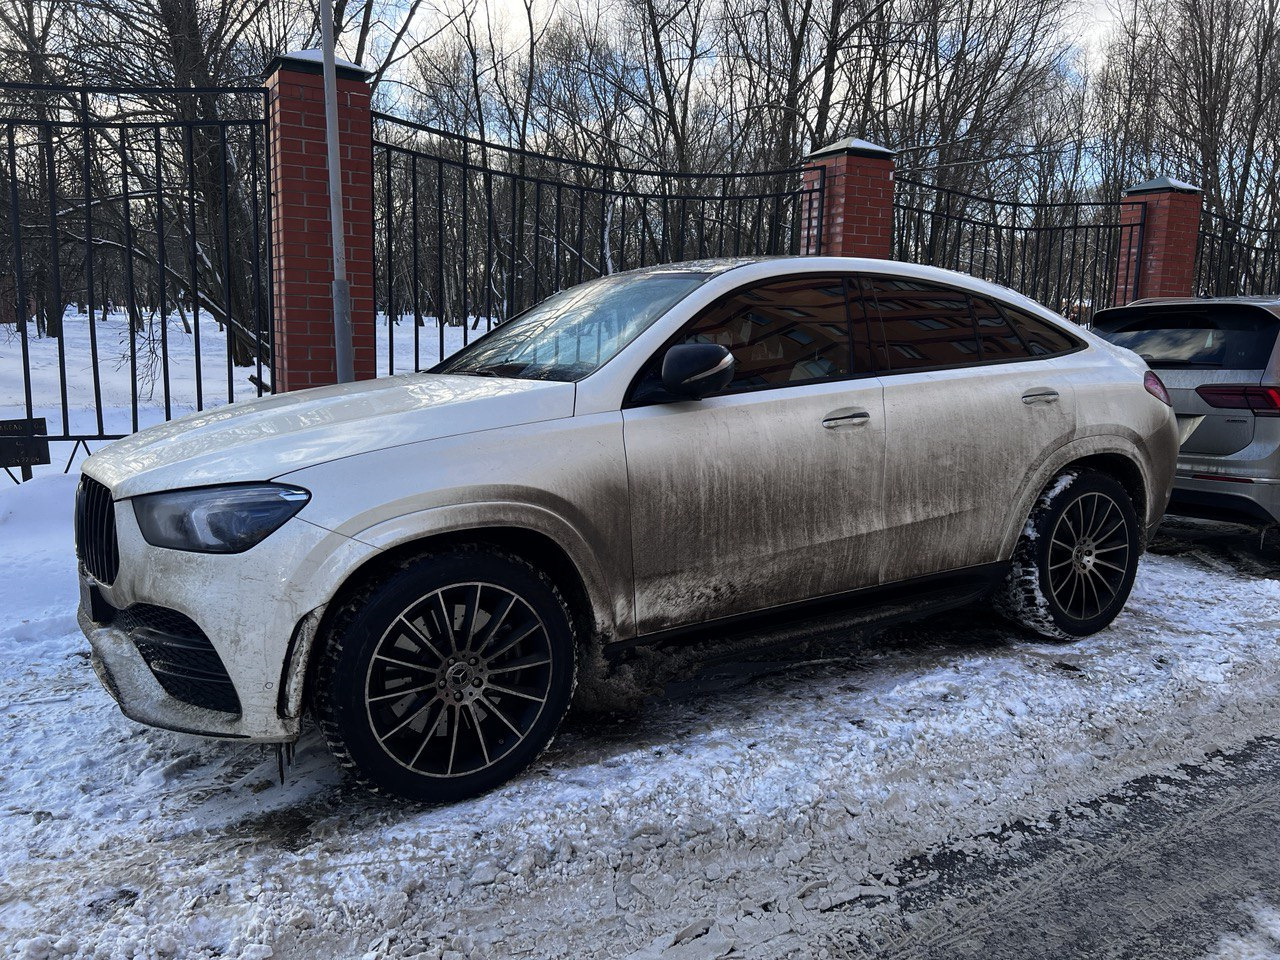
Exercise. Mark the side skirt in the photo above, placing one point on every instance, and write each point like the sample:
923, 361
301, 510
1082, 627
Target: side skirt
869, 608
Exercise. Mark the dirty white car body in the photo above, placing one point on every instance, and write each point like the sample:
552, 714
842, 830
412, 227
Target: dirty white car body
651, 518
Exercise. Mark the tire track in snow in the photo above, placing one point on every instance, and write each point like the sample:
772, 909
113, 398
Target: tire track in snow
1161, 868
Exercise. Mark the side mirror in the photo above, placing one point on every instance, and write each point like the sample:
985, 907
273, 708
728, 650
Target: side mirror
694, 370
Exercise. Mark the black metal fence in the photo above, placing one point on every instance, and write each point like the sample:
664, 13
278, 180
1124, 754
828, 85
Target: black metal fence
1072, 257
1233, 259
135, 245
134, 252
470, 233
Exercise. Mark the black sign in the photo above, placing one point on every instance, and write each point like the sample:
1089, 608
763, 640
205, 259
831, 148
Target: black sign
23, 443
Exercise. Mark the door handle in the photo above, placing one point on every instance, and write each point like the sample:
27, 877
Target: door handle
1040, 396
844, 418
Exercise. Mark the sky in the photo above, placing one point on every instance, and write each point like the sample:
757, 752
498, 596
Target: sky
1095, 17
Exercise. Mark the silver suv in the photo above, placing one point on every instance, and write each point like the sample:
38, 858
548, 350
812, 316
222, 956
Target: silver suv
422, 560
1220, 360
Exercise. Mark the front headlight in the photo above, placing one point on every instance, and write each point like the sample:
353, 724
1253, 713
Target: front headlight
228, 519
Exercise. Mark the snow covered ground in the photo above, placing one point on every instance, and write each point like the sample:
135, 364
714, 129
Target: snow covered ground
1261, 942
107, 408
768, 805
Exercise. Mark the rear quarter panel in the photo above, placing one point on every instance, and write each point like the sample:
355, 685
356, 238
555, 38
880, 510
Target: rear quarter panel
1114, 415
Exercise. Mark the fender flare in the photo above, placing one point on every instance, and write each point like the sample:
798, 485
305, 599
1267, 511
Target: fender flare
481, 515
1060, 458
443, 520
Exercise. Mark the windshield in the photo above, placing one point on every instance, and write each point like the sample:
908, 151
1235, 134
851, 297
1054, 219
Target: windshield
575, 332
1229, 335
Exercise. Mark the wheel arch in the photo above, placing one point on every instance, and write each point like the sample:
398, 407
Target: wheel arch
538, 548
1114, 456
580, 582
1123, 469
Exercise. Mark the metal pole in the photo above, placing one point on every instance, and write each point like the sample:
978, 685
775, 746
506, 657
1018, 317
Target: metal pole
341, 290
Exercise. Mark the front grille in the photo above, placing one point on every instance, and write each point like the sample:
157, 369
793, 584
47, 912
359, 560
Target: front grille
96, 544
180, 656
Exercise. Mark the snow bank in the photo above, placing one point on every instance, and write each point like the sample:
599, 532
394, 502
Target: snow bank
1262, 942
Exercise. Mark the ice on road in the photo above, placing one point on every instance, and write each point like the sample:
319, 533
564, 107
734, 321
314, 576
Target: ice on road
754, 813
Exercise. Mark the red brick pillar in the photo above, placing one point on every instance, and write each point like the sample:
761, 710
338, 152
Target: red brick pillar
856, 218
302, 254
1160, 224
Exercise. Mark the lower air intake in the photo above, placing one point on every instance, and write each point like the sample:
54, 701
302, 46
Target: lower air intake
180, 656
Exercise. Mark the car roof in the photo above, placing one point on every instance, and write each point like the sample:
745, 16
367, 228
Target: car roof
819, 263
705, 265
1269, 302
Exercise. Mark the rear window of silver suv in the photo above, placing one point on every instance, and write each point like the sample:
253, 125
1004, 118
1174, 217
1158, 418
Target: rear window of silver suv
1230, 336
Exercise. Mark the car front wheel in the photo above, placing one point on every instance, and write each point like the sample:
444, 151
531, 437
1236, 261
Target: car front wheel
448, 677
1076, 560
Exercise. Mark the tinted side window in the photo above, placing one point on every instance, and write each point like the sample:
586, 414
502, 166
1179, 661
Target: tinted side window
781, 333
1042, 339
925, 326
997, 337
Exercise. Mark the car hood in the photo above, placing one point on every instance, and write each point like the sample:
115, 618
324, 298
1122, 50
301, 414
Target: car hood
265, 438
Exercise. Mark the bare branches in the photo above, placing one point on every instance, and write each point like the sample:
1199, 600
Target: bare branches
982, 95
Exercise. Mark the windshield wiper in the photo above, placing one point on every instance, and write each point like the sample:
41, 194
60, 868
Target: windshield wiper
509, 370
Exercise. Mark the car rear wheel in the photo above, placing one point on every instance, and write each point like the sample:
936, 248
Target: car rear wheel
1075, 563
447, 678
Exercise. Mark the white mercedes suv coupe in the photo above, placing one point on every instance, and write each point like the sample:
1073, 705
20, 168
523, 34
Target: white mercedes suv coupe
421, 560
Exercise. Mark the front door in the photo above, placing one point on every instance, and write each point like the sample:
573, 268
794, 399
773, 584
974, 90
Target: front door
770, 492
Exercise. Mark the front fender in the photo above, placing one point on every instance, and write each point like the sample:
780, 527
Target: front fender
610, 613
609, 609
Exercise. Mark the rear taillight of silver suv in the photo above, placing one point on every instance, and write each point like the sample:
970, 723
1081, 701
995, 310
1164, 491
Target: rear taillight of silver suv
1263, 401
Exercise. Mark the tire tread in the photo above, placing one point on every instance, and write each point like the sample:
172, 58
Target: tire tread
1020, 599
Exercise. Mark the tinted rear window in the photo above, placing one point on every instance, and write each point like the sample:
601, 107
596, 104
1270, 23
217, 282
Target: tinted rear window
1232, 336
998, 338
926, 326
1042, 339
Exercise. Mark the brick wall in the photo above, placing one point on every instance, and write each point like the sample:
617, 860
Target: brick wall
857, 204
302, 254
1158, 259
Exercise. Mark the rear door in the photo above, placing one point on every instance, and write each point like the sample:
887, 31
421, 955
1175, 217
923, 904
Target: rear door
976, 396
769, 492
1192, 345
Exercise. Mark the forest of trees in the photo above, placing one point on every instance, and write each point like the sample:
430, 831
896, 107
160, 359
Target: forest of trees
989, 96
1014, 100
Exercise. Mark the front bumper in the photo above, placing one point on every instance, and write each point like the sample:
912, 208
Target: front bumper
125, 675
249, 608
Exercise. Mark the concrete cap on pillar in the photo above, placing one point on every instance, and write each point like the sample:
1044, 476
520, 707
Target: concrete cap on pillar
1160, 184
312, 61
854, 147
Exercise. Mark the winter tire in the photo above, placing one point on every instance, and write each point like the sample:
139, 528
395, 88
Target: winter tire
448, 677
1075, 562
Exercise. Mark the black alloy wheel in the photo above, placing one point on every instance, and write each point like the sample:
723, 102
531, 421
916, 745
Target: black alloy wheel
1089, 551
1075, 563
448, 677
459, 679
